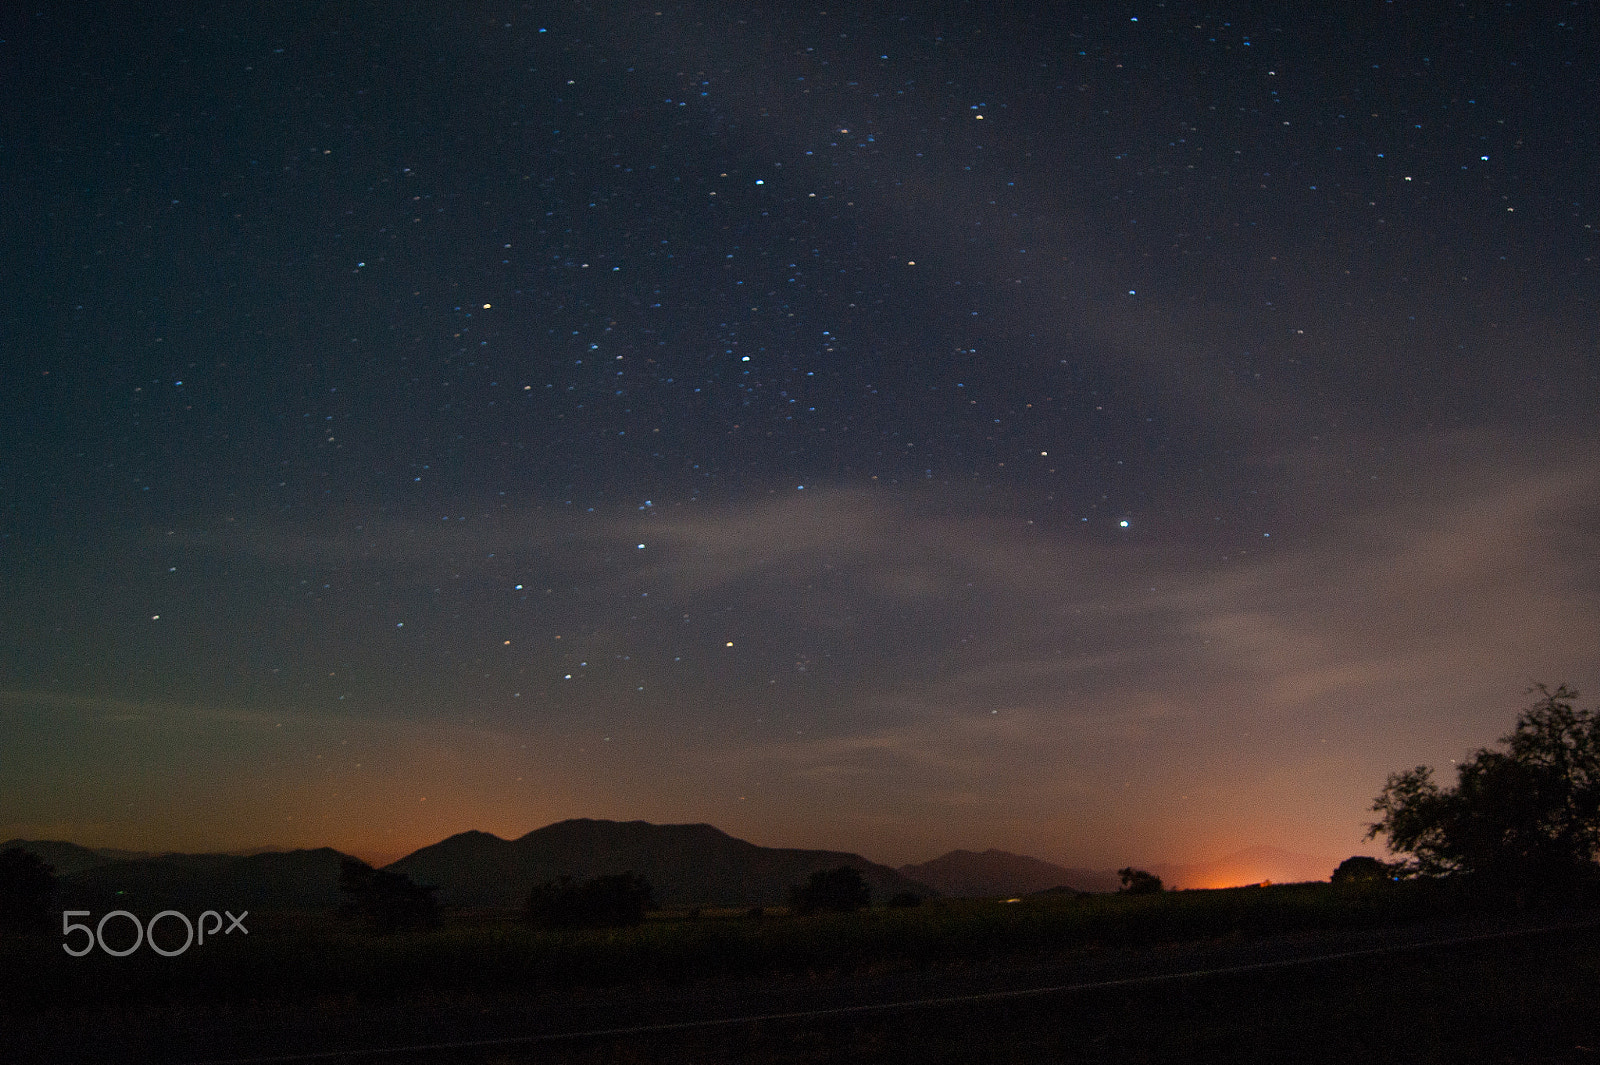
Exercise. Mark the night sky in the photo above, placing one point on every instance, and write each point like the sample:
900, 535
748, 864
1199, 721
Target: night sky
1111, 432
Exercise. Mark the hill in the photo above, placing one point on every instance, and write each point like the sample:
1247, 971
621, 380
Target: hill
70, 857
302, 879
689, 865
968, 874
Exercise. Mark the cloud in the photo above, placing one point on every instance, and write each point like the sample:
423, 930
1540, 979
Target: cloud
921, 649
1398, 630
1461, 579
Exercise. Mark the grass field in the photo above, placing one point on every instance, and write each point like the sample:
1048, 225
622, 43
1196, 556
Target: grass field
1532, 999
299, 957
1534, 991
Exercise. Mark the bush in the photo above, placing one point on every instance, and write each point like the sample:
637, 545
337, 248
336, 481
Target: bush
1360, 867
840, 890
1138, 882
616, 901
27, 887
388, 899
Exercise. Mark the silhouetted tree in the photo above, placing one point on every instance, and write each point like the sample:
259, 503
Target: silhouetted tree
1138, 882
27, 887
1360, 867
840, 890
616, 901
1521, 818
388, 899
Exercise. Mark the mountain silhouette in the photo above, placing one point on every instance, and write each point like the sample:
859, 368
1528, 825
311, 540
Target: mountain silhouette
968, 874
192, 883
70, 857
688, 865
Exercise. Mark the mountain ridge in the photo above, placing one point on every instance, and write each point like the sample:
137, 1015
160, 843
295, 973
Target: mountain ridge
693, 864
971, 874
689, 865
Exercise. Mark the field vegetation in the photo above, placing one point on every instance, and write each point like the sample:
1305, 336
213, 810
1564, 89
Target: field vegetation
297, 957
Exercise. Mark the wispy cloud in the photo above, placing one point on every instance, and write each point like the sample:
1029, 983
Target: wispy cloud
910, 652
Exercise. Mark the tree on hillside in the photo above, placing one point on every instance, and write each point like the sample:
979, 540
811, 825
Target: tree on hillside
616, 901
386, 898
1523, 817
1138, 882
1361, 867
840, 890
27, 887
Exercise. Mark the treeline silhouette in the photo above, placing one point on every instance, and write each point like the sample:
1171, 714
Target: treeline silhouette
616, 901
390, 902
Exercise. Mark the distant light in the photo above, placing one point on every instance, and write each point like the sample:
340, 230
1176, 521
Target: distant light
728, 644
641, 547
486, 306
1123, 523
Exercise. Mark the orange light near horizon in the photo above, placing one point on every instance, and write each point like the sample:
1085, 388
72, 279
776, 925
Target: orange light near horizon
1223, 883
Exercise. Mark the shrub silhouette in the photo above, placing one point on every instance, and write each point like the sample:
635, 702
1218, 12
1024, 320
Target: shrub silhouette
840, 890
1138, 882
388, 899
616, 901
27, 887
1360, 867
1519, 819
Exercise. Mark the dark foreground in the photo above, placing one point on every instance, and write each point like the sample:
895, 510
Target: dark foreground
1509, 989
